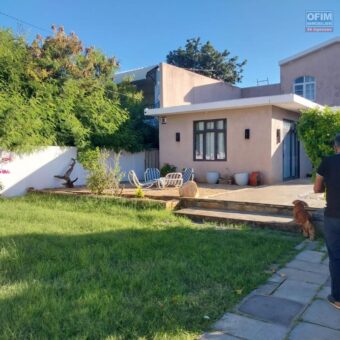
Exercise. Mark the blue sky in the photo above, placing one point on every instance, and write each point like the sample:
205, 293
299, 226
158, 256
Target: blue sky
141, 32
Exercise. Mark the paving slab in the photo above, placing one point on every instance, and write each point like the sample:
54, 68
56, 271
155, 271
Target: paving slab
311, 245
310, 256
322, 313
277, 278
267, 289
308, 266
273, 309
298, 291
328, 283
313, 332
324, 249
324, 292
300, 246
244, 327
326, 261
303, 276
218, 336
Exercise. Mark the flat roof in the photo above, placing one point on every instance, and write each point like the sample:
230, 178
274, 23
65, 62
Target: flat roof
310, 50
291, 102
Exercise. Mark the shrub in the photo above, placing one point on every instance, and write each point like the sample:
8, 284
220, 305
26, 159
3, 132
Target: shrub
101, 176
115, 176
139, 193
167, 168
317, 129
97, 180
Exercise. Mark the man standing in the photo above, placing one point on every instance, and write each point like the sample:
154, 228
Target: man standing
328, 179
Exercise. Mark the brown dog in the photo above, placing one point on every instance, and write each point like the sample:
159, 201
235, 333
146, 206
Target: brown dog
304, 219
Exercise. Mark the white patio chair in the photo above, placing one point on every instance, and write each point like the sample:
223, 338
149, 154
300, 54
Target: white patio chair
151, 174
173, 179
188, 174
133, 179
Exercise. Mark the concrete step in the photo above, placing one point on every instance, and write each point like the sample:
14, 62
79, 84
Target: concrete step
255, 218
207, 203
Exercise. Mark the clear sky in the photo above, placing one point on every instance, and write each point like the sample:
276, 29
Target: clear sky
141, 32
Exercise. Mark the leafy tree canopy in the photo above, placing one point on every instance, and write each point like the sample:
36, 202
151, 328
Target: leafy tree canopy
317, 129
135, 134
206, 60
56, 92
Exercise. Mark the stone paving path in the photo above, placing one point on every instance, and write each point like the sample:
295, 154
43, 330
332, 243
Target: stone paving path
292, 304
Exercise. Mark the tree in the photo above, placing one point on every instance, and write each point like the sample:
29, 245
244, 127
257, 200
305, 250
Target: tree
56, 92
135, 134
206, 60
317, 129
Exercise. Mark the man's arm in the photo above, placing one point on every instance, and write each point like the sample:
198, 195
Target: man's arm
319, 184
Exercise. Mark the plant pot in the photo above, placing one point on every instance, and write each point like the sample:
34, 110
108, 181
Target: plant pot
212, 177
241, 178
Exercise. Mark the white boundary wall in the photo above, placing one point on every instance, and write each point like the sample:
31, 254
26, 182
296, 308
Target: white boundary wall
37, 169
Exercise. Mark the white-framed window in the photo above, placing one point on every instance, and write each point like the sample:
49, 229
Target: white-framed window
305, 87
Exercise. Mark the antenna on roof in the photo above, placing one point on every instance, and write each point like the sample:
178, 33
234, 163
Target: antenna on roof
262, 82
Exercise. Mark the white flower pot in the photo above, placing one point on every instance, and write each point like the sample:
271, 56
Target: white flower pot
241, 178
212, 177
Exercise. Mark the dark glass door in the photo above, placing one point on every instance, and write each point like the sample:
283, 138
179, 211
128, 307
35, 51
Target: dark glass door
291, 151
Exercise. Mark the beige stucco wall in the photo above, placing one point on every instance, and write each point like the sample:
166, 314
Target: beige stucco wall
180, 87
259, 91
278, 116
324, 65
259, 153
242, 155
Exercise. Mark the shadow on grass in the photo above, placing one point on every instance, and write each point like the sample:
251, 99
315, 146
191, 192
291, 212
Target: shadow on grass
130, 283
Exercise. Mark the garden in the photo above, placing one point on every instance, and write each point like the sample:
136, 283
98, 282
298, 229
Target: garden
89, 267
106, 267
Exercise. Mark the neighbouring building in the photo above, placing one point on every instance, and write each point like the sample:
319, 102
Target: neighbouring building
210, 125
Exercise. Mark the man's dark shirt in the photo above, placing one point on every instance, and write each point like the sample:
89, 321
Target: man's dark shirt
329, 169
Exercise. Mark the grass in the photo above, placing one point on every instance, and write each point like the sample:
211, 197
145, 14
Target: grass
86, 268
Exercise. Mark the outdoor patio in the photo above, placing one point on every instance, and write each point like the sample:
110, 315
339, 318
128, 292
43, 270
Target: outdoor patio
281, 194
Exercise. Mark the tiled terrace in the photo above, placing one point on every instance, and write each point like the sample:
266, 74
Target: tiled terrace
282, 194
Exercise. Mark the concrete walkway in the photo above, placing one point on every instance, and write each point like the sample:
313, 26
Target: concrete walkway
282, 193
291, 305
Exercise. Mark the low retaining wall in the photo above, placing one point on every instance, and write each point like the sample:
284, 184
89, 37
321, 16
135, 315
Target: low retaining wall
138, 202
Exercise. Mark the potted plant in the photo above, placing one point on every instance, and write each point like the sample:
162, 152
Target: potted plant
241, 178
212, 177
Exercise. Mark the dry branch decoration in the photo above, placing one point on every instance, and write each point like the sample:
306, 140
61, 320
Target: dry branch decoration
68, 182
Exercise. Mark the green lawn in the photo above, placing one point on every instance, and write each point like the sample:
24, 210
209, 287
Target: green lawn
95, 268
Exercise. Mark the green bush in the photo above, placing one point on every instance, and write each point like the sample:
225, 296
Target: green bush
317, 129
101, 176
115, 176
139, 193
167, 168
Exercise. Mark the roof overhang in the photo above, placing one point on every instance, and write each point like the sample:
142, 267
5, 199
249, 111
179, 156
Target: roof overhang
291, 102
310, 50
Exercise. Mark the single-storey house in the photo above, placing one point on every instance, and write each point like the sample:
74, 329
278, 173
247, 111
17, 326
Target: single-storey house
211, 125
237, 135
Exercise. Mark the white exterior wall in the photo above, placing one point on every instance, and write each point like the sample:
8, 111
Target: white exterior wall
130, 161
38, 168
